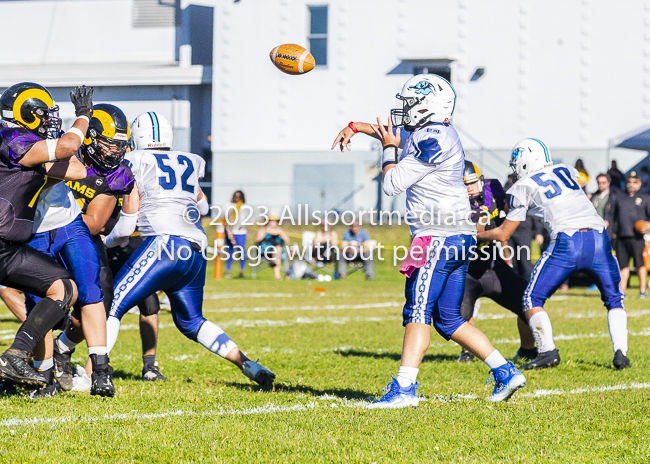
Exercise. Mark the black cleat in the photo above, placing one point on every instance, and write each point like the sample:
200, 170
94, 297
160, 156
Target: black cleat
525, 354
621, 361
63, 368
152, 374
102, 377
13, 366
543, 360
465, 357
45, 392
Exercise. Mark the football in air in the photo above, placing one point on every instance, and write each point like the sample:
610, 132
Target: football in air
292, 59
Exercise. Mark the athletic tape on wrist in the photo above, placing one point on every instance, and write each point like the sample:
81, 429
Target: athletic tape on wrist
77, 132
84, 117
390, 156
51, 148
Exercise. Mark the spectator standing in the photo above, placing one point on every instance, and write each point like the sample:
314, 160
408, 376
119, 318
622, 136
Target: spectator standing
356, 246
616, 177
622, 212
600, 198
235, 233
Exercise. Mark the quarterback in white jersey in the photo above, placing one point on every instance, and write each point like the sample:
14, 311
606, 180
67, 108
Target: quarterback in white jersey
167, 204
579, 243
431, 170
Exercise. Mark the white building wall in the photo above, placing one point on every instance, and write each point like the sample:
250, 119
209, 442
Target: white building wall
574, 74
61, 44
79, 31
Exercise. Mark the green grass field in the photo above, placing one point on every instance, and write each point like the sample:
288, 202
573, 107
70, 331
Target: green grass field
332, 352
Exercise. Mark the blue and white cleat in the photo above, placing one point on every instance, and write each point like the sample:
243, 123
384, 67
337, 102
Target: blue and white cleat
397, 397
507, 380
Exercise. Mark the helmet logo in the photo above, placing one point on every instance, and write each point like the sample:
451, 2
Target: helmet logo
516, 153
423, 88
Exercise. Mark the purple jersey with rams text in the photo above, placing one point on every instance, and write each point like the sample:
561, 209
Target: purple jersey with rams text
117, 183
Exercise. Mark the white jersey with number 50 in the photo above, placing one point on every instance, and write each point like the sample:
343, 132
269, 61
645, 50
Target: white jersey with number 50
553, 195
168, 183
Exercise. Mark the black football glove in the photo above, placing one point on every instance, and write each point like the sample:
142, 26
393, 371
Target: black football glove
82, 99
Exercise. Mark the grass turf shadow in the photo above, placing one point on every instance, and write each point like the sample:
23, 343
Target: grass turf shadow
125, 375
396, 356
306, 389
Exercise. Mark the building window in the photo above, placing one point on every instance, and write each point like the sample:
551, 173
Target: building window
318, 34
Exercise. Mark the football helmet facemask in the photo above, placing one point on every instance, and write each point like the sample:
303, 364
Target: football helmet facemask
151, 130
425, 98
528, 156
31, 106
107, 138
472, 174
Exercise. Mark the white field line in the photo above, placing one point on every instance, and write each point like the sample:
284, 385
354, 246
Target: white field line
334, 402
578, 391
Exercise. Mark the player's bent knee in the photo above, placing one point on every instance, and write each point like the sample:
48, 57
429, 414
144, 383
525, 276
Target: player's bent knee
447, 328
150, 306
63, 291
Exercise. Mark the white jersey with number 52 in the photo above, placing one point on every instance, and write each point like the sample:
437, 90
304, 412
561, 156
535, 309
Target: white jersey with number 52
553, 195
168, 183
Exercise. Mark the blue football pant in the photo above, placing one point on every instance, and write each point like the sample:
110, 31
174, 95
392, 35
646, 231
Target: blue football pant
586, 251
150, 269
435, 291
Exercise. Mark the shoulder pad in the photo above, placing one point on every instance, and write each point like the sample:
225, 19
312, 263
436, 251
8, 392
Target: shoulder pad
426, 143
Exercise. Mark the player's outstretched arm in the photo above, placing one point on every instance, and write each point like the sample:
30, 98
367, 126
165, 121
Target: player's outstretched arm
500, 234
343, 137
69, 169
59, 149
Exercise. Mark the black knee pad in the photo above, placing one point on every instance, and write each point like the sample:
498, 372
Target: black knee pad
150, 305
68, 293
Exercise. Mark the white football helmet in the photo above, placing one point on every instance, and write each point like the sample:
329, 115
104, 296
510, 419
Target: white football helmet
151, 130
528, 156
425, 98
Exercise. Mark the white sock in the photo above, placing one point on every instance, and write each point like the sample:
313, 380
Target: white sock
407, 376
542, 329
214, 339
112, 331
97, 350
617, 323
495, 360
44, 364
64, 343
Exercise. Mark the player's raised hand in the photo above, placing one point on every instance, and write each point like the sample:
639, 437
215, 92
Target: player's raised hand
343, 139
82, 99
385, 134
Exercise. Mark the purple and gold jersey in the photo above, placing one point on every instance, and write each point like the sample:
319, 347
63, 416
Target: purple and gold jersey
492, 214
19, 185
117, 183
